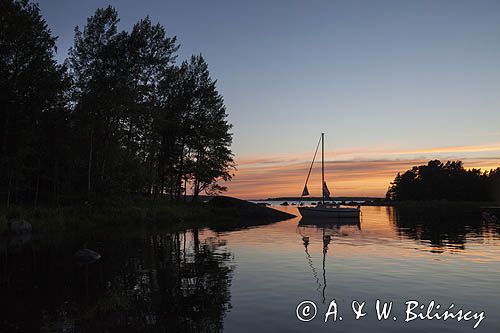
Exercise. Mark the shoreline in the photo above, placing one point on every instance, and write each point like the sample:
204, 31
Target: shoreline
384, 203
226, 212
145, 212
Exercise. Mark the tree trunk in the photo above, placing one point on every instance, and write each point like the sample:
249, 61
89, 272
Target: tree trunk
55, 183
196, 190
89, 171
171, 187
5, 134
37, 190
185, 189
181, 171
9, 188
197, 178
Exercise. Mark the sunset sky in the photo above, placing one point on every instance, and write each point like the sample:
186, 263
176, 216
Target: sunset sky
391, 83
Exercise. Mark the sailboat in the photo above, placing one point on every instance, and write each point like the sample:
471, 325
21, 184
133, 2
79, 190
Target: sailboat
325, 210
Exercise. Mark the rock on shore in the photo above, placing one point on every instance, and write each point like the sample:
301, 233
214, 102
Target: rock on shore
247, 211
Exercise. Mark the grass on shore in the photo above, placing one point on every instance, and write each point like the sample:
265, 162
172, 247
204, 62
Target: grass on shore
81, 217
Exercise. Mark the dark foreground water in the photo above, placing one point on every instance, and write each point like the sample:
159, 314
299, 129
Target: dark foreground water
251, 280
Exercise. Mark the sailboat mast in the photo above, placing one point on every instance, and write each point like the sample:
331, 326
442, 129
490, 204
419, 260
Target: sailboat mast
323, 167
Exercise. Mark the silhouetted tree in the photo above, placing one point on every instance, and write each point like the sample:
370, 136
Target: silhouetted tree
118, 118
101, 90
196, 138
151, 57
32, 102
210, 157
175, 126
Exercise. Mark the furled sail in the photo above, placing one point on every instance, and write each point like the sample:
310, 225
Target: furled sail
305, 192
326, 192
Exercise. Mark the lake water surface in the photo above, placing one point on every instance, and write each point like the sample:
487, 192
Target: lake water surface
251, 280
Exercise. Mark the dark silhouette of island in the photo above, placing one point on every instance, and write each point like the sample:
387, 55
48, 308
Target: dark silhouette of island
445, 181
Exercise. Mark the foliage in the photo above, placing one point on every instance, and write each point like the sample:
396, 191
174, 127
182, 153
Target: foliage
118, 118
32, 104
449, 181
196, 146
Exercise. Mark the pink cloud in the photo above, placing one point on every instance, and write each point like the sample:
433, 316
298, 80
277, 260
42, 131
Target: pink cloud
284, 175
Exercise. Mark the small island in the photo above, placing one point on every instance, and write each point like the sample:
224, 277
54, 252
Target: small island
445, 181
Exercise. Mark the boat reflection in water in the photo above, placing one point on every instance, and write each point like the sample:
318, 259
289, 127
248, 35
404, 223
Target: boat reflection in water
308, 227
331, 224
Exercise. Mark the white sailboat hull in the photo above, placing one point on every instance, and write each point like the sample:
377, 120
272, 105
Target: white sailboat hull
329, 212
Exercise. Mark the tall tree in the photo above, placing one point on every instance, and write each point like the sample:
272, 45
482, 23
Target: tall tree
151, 58
101, 90
174, 126
196, 135
31, 103
211, 158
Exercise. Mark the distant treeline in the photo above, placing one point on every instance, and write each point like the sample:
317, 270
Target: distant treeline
119, 117
320, 198
450, 181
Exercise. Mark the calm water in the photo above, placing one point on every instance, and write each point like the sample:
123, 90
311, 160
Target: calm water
252, 279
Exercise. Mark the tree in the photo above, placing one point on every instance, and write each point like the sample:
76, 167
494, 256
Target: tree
196, 136
118, 118
151, 61
174, 126
100, 89
31, 103
211, 158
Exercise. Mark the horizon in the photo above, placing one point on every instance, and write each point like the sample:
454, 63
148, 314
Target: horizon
157, 175
397, 83
350, 177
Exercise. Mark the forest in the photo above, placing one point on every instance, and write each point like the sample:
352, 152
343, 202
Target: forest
119, 117
445, 181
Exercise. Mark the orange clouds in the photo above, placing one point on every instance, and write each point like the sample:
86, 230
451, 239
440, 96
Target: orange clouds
348, 175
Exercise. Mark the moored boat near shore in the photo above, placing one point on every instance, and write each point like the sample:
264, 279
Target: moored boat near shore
329, 212
324, 211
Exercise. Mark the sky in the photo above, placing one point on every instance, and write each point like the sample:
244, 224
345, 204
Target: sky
392, 84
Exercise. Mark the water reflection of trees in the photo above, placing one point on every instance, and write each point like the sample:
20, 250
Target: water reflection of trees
177, 283
156, 282
440, 228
